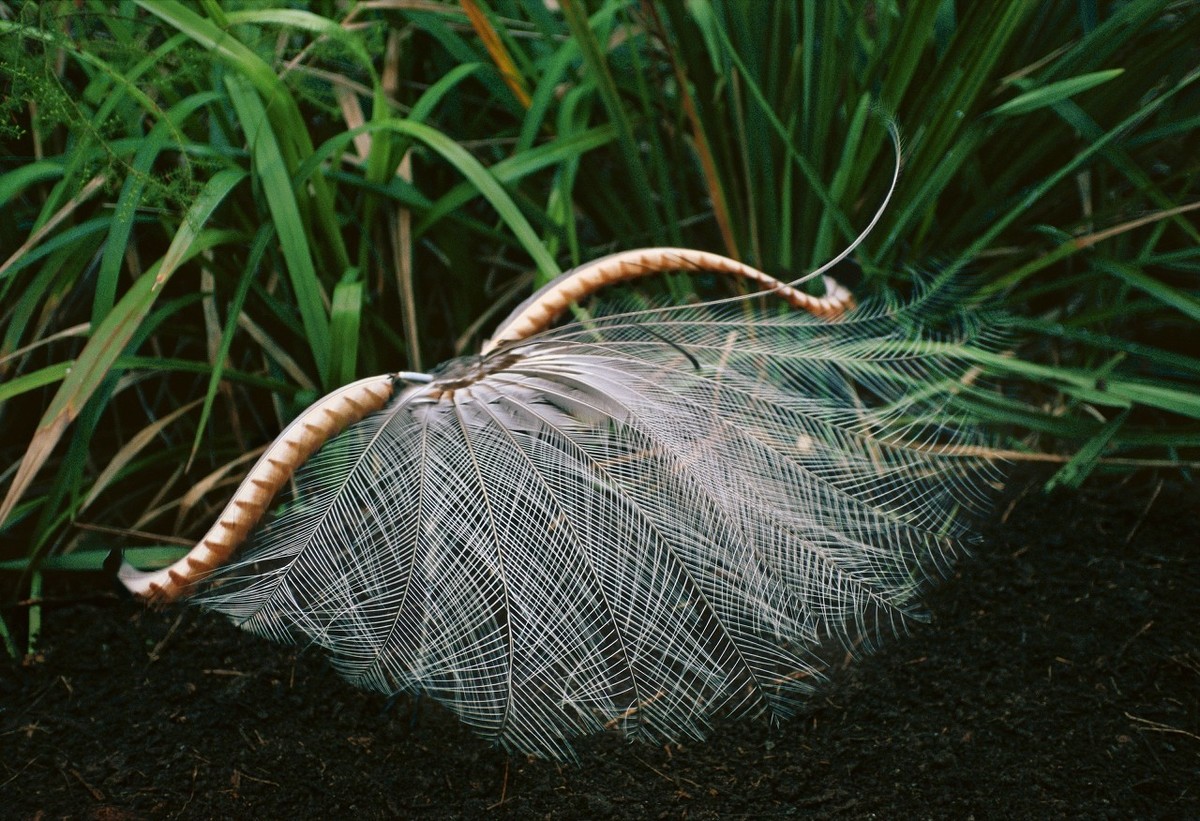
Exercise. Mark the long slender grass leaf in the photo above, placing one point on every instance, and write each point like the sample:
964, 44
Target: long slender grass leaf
345, 321
272, 170
1085, 460
1054, 93
109, 339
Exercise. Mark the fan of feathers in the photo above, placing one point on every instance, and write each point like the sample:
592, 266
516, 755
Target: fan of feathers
640, 519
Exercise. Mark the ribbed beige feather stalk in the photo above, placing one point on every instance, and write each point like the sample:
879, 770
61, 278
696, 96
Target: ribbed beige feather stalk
299, 440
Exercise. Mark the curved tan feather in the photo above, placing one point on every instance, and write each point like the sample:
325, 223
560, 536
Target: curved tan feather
540, 311
319, 423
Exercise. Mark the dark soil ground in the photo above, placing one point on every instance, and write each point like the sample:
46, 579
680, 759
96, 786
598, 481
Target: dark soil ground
1060, 678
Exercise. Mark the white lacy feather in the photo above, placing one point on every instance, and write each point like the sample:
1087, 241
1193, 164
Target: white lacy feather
638, 522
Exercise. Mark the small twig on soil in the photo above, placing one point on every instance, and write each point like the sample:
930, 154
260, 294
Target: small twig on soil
154, 654
249, 777
503, 788
1132, 638
17, 773
96, 794
676, 779
1016, 500
1159, 727
192, 794
1187, 662
1142, 518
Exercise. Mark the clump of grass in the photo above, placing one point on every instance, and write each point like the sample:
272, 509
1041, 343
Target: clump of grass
217, 211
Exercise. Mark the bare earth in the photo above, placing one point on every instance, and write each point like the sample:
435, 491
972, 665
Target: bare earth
1060, 677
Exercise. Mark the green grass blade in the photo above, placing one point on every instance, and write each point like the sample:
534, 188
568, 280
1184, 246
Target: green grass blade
130, 200
1040, 190
1188, 305
1074, 472
290, 126
309, 22
109, 339
780, 130
515, 168
1054, 93
34, 627
14, 182
130, 450
586, 35
95, 561
40, 378
10, 646
485, 183
345, 322
63, 239
276, 184
258, 249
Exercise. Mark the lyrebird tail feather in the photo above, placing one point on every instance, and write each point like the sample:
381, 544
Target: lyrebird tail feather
586, 530
638, 521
